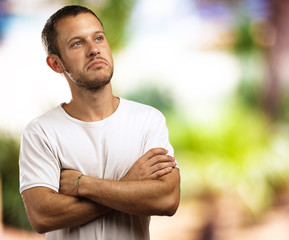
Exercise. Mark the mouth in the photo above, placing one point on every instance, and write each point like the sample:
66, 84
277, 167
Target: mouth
96, 63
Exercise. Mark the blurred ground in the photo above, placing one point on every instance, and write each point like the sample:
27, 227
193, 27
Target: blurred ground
179, 227
192, 222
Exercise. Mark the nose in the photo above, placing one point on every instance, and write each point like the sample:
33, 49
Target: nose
93, 49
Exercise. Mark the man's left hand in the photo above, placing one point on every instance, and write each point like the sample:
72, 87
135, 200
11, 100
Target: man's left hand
69, 182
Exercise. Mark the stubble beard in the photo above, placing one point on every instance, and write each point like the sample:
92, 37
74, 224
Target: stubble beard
91, 83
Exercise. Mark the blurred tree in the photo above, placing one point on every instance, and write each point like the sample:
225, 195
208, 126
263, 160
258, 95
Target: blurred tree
278, 54
243, 151
263, 37
153, 96
13, 208
115, 15
261, 34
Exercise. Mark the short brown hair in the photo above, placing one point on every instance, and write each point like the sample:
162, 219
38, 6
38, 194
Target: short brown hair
49, 32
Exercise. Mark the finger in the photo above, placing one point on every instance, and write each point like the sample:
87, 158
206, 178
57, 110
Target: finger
155, 151
160, 158
160, 173
163, 165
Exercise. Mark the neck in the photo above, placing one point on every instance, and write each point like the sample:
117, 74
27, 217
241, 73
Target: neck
92, 106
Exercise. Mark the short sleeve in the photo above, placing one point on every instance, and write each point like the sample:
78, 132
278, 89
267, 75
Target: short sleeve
158, 134
37, 164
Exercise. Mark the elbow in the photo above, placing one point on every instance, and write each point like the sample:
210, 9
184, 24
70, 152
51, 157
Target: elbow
171, 212
38, 224
169, 206
40, 221
171, 209
42, 226
39, 229
170, 203
171, 200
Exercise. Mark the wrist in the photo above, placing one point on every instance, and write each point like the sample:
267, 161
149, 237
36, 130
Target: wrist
78, 183
84, 186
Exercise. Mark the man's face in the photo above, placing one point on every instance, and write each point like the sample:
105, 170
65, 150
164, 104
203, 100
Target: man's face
84, 50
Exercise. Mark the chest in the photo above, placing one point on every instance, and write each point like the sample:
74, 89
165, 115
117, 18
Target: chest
107, 152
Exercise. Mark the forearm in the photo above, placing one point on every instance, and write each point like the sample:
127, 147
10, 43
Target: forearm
53, 211
151, 187
146, 197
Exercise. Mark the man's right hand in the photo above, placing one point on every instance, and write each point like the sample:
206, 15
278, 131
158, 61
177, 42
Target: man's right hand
152, 165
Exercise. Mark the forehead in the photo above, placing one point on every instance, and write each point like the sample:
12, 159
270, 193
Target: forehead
79, 25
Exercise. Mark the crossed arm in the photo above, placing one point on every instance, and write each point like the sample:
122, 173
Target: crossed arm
151, 187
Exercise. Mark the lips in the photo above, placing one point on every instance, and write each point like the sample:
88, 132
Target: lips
97, 63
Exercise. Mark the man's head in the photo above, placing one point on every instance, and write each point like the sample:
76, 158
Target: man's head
49, 32
77, 47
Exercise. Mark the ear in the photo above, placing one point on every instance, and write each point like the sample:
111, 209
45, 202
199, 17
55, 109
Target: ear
54, 62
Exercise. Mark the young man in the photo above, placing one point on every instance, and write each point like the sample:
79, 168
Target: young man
99, 166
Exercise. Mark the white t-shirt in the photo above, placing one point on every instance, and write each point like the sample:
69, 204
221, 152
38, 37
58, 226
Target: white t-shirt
105, 149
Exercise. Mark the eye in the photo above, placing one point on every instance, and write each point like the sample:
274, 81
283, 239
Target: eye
99, 38
75, 44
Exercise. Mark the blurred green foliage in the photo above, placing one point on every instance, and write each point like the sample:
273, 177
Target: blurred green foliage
244, 41
241, 150
152, 95
251, 58
13, 208
284, 114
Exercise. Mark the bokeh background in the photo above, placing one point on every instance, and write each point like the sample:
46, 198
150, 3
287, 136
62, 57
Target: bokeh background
218, 71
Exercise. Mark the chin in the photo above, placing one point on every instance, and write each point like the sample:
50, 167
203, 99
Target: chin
96, 86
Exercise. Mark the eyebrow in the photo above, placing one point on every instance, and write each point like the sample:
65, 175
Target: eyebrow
79, 37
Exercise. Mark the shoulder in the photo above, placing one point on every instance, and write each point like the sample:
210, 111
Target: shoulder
43, 121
